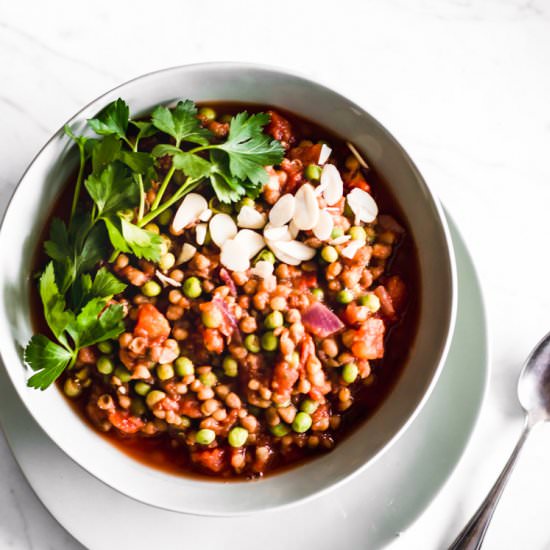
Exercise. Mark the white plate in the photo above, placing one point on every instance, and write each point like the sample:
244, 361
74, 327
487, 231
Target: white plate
366, 512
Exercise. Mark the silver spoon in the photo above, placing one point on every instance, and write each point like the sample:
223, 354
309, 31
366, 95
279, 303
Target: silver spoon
534, 397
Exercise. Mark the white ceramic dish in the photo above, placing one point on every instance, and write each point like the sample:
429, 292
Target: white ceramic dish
377, 506
28, 211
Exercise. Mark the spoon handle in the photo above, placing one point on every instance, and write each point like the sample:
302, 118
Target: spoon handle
471, 537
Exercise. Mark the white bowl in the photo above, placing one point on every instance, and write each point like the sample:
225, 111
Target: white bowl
28, 211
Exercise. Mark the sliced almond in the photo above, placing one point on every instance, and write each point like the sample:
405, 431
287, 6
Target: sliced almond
186, 253
206, 215
351, 249
341, 240
200, 233
356, 154
331, 184
250, 241
296, 249
192, 206
306, 212
281, 255
272, 233
362, 205
283, 210
250, 218
293, 230
165, 280
324, 226
232, 256
263, 269
222, 228
324, 154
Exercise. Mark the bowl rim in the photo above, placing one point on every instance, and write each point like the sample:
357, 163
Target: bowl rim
450, 261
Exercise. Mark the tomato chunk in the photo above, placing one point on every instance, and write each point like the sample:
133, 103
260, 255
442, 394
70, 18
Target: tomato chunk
210, 459
369, 340
125, 422
152, 324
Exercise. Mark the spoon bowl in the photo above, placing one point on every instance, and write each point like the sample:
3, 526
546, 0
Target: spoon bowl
534, 381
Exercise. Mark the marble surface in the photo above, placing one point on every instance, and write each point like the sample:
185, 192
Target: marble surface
464, 85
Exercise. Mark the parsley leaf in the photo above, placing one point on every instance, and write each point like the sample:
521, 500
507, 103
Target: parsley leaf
96, 322
104, 284
112, 120
46, 357
128, 237
57, 317
113, 189
249, 149
181, 123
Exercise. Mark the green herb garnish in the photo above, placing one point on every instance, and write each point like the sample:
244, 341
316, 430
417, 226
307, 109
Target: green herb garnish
95, 322
116, 175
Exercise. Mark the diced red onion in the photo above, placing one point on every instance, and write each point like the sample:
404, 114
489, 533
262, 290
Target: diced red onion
229, 317
226, 278
321, 321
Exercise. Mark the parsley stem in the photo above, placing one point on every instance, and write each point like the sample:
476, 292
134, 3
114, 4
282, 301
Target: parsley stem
186, 187
78, 185
202, 148
163, 187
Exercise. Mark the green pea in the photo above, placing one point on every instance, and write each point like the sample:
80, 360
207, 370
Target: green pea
105, 365
345, 296
154, 397
71, 388
313, 172
371, 301
208, 379
302, 422
309, 406
280, 430
350, 373
318, 294
151, 289
265, 256
274, 320
226, 118
192, 287
208, 113
358, 233
153, 228
212, 318
230, 366
165, 372
165, 217
237, 436
105, 347
142, 388
184, 366
270, 342
252, 343
123, 374
137, 407
205, 436
336, 232
246, 201
167, 261
329, 254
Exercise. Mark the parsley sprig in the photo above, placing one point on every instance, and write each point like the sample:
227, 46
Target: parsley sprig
115, 173
94, 322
